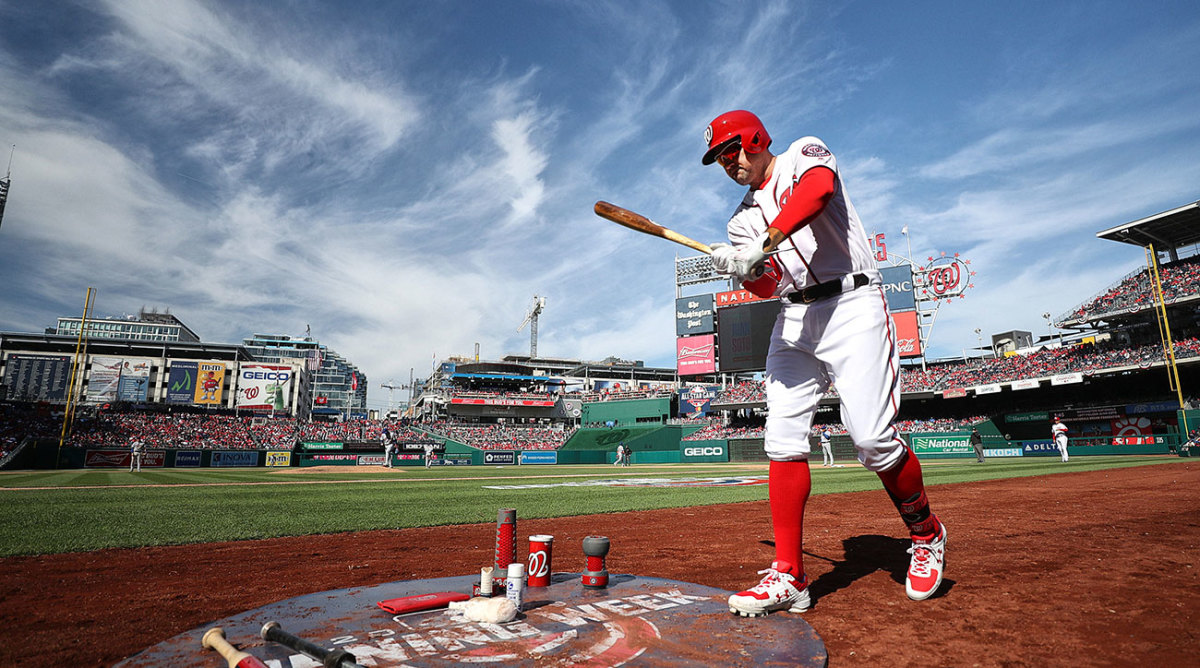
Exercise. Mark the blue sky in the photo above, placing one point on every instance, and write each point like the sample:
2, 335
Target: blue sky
403, 177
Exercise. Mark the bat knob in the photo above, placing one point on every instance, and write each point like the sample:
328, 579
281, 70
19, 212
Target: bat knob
267, 628
207, 640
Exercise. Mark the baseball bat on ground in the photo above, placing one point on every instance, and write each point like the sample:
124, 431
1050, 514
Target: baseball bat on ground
636, 221
214, 638
337, 658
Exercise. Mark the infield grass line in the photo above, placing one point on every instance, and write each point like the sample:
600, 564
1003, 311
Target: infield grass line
115, 509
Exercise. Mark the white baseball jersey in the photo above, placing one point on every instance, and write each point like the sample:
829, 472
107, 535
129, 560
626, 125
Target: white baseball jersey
1058, 429
847, 338
832, 245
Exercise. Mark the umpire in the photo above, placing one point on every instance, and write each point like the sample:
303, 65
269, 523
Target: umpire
977, 444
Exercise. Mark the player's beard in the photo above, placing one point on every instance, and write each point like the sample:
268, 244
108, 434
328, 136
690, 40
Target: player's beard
739, 174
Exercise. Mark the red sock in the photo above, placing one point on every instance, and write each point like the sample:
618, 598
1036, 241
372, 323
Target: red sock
906, 485
788, 487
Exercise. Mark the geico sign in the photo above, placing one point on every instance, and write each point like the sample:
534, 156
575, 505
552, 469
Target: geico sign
703, 452
266, 375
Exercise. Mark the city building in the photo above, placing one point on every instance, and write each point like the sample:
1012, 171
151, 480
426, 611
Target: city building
339, 388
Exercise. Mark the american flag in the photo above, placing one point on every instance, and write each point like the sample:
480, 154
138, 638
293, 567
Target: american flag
314, 360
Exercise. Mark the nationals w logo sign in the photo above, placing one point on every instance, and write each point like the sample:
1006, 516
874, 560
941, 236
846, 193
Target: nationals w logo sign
943, 278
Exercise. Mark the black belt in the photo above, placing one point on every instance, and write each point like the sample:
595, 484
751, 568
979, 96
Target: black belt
822, 290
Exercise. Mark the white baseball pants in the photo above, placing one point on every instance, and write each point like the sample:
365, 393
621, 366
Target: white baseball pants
849, 340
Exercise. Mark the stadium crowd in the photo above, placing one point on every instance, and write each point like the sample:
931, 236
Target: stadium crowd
502, 436
718, 431
1084, 358
183, 430
1179, 280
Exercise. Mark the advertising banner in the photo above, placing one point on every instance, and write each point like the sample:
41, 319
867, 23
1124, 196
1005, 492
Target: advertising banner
500, 401
1066, 379
954, 393
1152, 407
993, 388
103, 379
1039, 449
706, 451
950, 444
898, 288
36, 377
696, 401
238, 458
1026, 384
187, 458
181, 382
134, 384
372, 460
694, 315
279, 458
210, 382
499, 457
735, 297
696, 354
539, 457
264, 387
121, 458
908, 333
419, 446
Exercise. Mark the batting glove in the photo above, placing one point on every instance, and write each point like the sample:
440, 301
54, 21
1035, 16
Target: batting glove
748, 260
722, 258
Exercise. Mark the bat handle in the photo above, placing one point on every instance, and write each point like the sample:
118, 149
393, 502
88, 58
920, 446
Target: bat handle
338, 658
214, 639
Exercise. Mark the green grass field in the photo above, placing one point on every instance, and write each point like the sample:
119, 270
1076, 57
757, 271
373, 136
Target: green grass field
47, 512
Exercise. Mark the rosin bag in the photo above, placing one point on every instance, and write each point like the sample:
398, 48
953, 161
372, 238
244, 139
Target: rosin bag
441, 599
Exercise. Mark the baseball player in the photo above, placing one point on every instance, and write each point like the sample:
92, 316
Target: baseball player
428, 455
389, 447
796, 236
620, 455
1059, 431
826, 448
135, 455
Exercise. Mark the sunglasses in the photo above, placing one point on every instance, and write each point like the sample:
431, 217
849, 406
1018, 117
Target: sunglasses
730, 155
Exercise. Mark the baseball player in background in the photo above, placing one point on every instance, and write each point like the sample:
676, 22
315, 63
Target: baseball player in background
389, 447
1059, 431
428, 455
833, 326
620, 455
135, 454
826, 447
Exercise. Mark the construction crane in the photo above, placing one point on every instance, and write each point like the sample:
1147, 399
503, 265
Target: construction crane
391, 388
531, 318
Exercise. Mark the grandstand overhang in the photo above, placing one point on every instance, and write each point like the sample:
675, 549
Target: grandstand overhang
1167, 230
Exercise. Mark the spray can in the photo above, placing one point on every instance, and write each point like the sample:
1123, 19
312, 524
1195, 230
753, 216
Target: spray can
515, 584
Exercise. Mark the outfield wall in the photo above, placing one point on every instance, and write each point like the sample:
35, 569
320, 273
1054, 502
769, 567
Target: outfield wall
653, 445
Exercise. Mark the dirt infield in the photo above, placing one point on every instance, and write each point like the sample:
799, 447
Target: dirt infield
1073, 569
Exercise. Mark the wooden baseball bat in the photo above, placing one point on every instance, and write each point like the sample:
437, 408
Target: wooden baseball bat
635, 221
214, 638
337, 658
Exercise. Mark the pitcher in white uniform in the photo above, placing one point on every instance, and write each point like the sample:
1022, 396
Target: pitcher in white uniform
796, 236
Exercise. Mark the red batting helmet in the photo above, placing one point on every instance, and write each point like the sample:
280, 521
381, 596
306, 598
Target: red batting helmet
734, 128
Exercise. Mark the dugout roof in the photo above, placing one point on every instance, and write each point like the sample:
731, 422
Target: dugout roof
1167, 230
